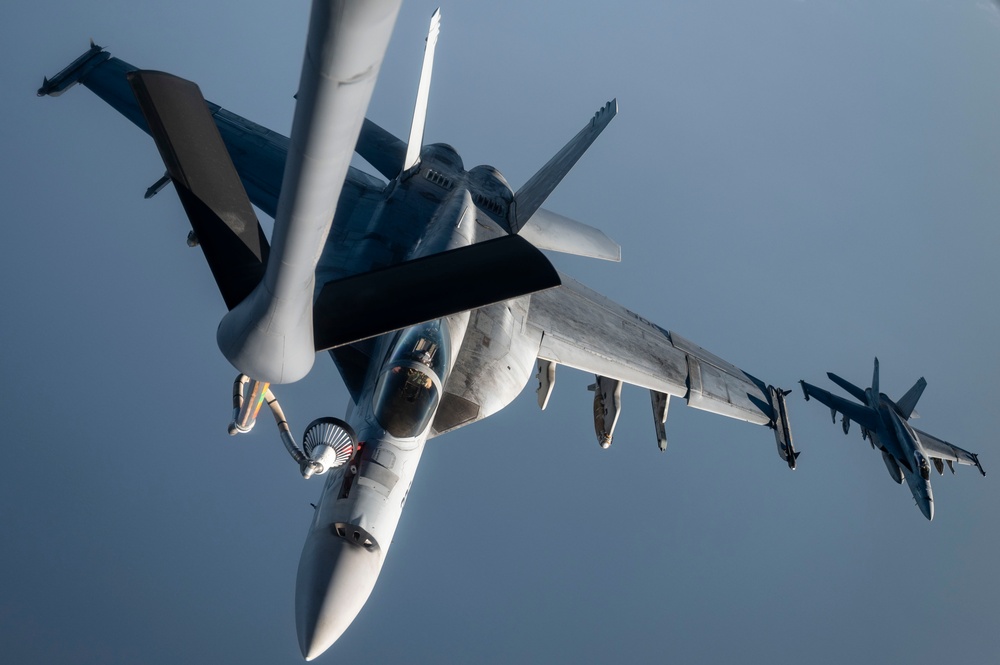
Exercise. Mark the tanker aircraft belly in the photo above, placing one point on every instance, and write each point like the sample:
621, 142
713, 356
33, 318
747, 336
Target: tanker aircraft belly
427, 288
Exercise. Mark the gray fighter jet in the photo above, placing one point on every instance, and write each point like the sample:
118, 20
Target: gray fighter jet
906, 451
427, 288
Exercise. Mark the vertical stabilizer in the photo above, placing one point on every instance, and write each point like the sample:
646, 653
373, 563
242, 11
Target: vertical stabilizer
910, 399
532, 194
875, 390
416, 140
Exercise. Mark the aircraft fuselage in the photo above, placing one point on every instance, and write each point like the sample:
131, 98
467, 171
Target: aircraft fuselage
435, 207
898, 441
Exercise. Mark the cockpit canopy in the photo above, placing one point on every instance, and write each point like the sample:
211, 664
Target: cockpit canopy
409, 388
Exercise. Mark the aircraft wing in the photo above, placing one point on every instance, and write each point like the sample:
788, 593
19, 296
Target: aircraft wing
859, 413
946, 452
582, 329
257, 152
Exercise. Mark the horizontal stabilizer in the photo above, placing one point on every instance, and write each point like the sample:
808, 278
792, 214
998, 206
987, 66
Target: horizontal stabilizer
855, 392
551, 231
431, 287
205, 179
909, 401
532, 194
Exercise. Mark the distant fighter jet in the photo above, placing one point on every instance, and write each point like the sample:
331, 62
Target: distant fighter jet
427, 288
907, 452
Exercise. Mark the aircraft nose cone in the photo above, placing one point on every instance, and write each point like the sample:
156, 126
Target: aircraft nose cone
334, 580
927, 508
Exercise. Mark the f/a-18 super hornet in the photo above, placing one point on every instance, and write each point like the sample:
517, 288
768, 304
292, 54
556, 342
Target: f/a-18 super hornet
907, 452
427, 288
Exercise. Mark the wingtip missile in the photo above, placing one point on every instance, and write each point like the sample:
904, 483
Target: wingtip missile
781, 426
979, 466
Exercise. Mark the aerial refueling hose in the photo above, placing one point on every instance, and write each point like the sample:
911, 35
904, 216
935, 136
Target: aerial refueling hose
330, 451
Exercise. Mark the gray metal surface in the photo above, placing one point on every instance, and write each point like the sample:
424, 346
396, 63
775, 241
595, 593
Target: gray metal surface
269, 335
585, 330
352, 244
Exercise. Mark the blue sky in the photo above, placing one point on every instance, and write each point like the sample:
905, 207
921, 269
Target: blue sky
797, 187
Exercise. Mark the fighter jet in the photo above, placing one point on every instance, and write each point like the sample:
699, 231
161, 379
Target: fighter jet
906, 451
427, 287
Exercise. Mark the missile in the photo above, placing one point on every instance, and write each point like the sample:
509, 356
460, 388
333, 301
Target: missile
157, 186
782, 428
661, 403
607, 407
